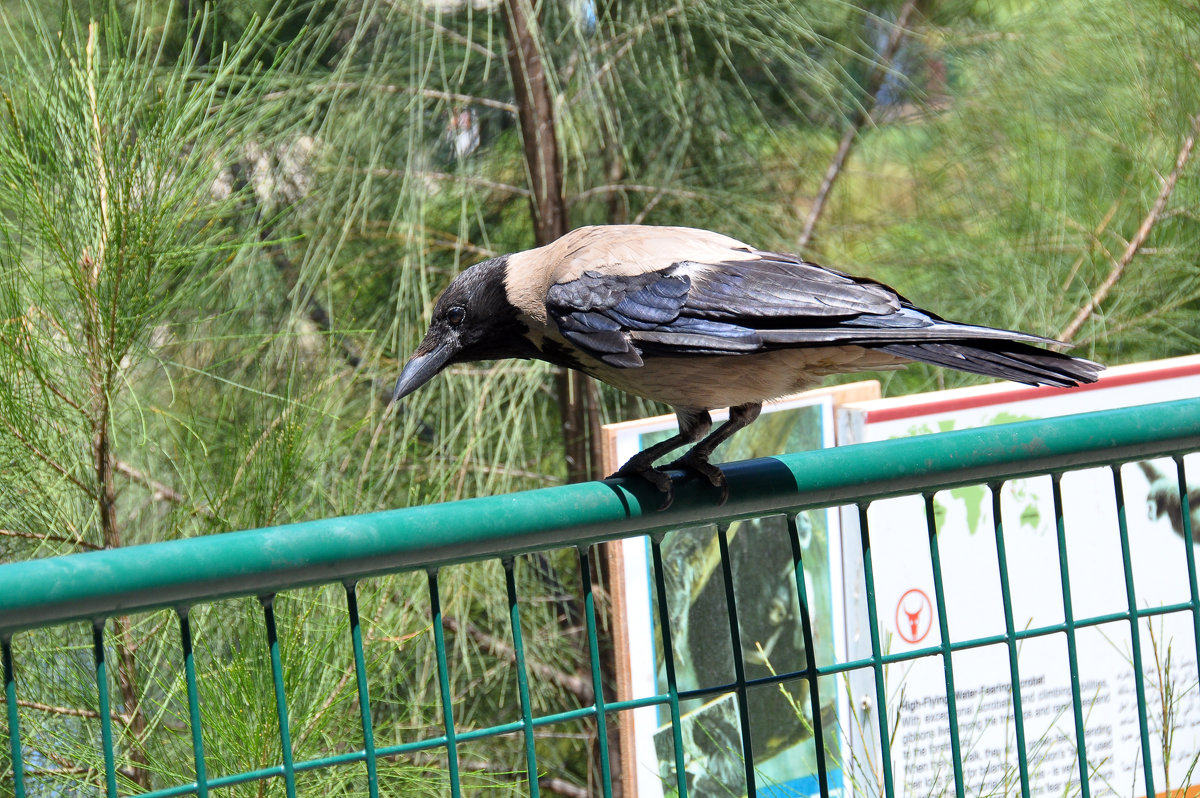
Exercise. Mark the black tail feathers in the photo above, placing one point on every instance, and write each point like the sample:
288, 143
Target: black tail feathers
1009, 360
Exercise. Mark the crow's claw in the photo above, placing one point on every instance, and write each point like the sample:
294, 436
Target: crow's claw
700, 466
659, 479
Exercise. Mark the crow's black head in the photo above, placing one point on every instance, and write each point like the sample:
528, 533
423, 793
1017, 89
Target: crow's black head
472, 320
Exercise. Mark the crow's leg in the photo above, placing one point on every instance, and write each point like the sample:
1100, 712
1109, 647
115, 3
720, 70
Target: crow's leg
696, 458
693, 425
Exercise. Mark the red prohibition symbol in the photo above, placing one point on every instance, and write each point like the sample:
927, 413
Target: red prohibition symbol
914, 616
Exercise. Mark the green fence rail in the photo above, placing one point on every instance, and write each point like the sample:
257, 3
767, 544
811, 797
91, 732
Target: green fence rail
93, 587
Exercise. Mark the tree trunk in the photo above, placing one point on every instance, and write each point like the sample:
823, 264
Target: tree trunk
535, 112
577, 394
579, 400
106, 500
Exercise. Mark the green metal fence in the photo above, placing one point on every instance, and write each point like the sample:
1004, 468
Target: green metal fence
92, 588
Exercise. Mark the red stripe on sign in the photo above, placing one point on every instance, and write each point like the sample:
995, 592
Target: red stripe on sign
1115, 379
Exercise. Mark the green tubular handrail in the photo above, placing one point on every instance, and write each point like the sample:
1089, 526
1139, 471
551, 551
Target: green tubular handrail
95, 585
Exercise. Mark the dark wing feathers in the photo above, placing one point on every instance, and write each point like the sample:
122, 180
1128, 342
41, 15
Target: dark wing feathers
657, 303
731, 307
687, 335
744, 306
907, 324
599, 334
616, 317
776, 287
594, 290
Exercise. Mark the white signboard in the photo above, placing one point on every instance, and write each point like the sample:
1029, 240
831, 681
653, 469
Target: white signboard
906, 604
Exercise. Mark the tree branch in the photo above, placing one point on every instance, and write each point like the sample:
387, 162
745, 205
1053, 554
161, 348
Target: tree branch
67, 767
861, 116
314, 721
1139, 238
562, 787
446, 176
389, 88
159, 491
618, 188
46, 536
462, 99
38, 374
45, 458
68, 711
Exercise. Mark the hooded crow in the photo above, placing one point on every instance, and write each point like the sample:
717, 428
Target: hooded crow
699, 321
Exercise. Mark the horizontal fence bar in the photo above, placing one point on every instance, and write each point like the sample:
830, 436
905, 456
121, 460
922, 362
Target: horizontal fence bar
95, 585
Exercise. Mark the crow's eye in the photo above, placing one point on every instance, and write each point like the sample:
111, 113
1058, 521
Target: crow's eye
455, 315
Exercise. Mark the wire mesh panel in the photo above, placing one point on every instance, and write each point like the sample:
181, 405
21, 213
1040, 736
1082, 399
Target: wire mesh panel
276, 661
1056, 706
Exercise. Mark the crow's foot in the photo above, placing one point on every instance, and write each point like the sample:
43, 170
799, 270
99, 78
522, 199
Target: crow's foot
698, 464
659, 479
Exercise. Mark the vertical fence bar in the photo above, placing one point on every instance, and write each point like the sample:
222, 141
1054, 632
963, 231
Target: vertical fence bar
589, 611
364, 697
664, 624
14, 719
193, 694
439, 642
939, 593
1010, 637
281, 710
810, 654
1135, 637
514, 619
1189, 549
106, 736
885, 740
739, 667
1069, 622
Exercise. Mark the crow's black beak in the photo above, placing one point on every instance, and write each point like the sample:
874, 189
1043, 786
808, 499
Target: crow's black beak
422, 367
